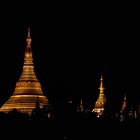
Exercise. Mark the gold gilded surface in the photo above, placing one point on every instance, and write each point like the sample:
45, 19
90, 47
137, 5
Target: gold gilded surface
28, 89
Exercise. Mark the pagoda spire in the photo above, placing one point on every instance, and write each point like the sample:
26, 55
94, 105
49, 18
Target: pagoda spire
27, 87
28, 39
80, 106
100, 103
101, 88
123, 108
28, 58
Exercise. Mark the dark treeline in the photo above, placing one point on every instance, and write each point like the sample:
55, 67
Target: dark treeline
69, 125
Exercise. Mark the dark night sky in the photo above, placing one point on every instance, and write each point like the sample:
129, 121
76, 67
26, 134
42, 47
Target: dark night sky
71, 47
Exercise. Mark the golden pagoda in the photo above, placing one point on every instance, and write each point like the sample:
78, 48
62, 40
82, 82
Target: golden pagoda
123, 108
100, 103
80, 106
28, 89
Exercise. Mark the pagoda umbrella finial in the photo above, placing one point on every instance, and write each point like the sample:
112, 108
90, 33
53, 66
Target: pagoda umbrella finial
29, 32
28, 39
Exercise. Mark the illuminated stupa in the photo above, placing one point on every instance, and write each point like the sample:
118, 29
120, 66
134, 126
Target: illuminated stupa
80, 107
28, 89
123, 109
127, 110
100, 103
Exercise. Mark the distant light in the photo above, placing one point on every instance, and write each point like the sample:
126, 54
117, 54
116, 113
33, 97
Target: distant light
70, 102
